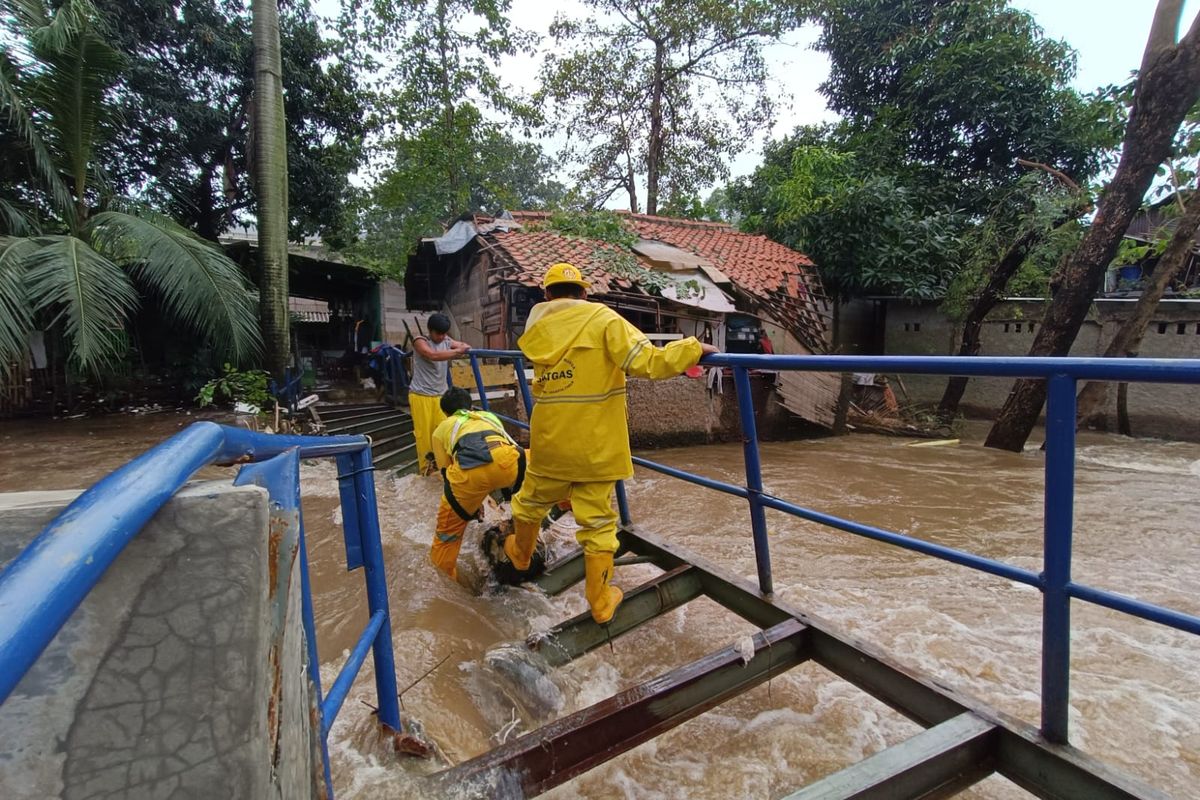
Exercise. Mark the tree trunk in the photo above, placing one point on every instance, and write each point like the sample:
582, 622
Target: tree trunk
270, 151
1129, 335
654, 152
991, 295
1167, 88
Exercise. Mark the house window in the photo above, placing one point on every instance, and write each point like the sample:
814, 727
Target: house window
916, 326
1031, 327
1162, 327
1018, 328
1181, 328
1006, 326
1198, 328
907, 327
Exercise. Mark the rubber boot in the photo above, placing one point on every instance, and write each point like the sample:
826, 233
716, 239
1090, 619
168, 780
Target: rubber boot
601, 595
519, 546
444, 554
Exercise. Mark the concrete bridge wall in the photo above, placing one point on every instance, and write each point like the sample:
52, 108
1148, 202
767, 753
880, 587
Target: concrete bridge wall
168, 680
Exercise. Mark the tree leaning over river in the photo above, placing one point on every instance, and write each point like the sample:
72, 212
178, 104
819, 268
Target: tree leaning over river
1168, 85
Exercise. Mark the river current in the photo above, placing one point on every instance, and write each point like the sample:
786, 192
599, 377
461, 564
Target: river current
1135, 691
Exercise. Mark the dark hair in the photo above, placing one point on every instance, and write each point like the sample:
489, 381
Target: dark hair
438, 323
560, 290
455, 399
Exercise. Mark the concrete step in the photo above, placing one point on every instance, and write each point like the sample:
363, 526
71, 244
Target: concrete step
344, 424
340, 411
396, 457
376, 427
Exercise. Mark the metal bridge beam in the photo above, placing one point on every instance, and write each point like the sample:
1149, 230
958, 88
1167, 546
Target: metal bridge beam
580, 635
1023, 755
570, 746
938, 762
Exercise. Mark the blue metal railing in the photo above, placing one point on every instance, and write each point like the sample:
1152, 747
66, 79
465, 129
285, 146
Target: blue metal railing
394, 375
1055, 583
287, 391
48, 580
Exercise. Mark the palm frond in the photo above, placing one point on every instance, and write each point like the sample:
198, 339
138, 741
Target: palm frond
15, 320
30, 16
72, 91
200, 287
14, 221
49, 28
88, 293
13, 106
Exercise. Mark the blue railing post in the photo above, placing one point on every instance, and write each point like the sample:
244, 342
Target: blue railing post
519, 368
483, 399
623, 504
1059, 513
758, 515
377, 595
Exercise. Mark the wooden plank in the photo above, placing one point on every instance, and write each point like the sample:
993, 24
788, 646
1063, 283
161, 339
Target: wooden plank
941, 760
812, 396
559, 751
493, 375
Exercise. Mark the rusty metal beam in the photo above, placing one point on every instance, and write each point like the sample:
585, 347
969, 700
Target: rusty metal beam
570, 746
580, 635
938, 762
1023, 756
561, 574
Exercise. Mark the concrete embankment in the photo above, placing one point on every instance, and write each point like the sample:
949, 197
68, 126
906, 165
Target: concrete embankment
182, 674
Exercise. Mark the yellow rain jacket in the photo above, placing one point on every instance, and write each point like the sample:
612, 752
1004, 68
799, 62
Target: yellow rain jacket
581, 352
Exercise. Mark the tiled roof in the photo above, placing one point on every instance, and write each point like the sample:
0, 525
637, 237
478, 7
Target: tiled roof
527, 254
782, 280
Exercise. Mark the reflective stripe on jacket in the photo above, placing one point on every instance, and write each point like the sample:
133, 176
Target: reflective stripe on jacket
452, 429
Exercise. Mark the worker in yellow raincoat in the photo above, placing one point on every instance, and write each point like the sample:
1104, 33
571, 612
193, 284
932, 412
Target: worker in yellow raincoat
579, 431
476, 456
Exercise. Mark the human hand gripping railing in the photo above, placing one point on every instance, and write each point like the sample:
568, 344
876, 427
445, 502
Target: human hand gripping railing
1062, 375
48, 580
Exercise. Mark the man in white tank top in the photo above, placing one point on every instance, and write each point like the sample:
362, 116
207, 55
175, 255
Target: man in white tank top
431, 370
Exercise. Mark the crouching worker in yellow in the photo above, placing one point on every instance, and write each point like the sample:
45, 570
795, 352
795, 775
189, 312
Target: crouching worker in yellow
476, 456
579, 433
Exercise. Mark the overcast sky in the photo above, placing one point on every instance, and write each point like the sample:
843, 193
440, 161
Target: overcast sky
1108, 35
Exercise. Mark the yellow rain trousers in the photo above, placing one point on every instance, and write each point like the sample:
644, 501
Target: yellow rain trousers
579, 429
468, 487
426, 413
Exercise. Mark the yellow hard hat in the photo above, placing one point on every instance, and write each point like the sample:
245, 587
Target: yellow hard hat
562, 272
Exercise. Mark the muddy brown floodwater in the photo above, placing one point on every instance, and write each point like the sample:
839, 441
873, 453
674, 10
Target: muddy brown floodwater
1135, 686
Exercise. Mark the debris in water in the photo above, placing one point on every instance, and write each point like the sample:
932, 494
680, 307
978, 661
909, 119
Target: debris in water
522, 676
745, 648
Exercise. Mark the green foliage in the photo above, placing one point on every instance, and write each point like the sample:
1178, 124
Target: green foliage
617, 259
415, 196
950, 94
607, 226
87, 274
868, 234
444, 149
659, 91
236, 386
185, 145
624, 264
1036, 206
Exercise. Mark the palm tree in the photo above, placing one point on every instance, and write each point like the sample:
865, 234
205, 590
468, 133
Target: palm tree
270, 155
70, 254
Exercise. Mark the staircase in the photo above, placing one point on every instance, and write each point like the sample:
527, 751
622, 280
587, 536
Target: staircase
390, 429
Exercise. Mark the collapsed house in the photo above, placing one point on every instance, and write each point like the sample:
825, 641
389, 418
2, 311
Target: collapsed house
675, 278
